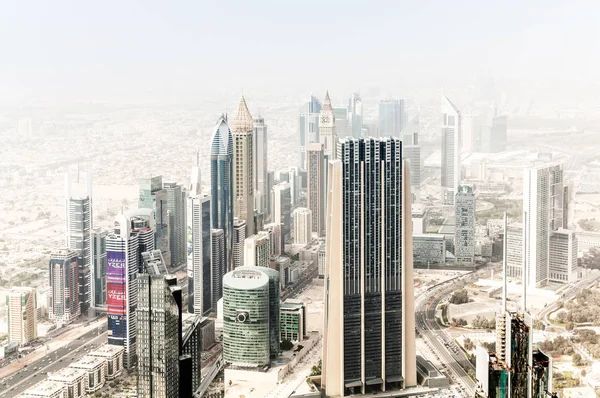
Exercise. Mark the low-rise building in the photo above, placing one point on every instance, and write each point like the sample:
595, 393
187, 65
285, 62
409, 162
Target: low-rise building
429, 249
292, 321
73, 380
96, 371
45, 389
113, 355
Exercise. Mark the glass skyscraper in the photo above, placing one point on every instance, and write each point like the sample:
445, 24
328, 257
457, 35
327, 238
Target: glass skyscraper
369, 340
391, 118
308, 127
221, 177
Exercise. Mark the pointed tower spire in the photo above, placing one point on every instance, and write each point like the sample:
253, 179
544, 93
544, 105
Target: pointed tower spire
327, 102
242, 122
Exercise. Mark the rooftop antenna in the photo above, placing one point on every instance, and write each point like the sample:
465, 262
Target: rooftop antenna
504, 265
525, 259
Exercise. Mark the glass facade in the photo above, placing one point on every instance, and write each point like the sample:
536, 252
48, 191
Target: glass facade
246, 310
372, 194
221, 185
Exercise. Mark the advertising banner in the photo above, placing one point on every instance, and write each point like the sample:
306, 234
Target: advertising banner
116, 267
115, 294
117, 326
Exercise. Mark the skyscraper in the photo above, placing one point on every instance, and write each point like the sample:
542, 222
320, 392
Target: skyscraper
451, 155
21, 314
315, 188
131, 236
281, 211
257, 250
563, 256
327, 134
158, 336
239, 237
355, 115
200, 286
99, 266
260, 147
218, 264
276, 238
246, 337
391, 118
411, 150
302, 226
79, 226
464, 237
63, 275
308, 127
154, 197
243, 170
195, 187
542, 203
342, 127
369, 338
221, 185
176, 208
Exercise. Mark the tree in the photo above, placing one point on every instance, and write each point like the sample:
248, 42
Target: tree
460, 297
591, 259
286, 345
587, 224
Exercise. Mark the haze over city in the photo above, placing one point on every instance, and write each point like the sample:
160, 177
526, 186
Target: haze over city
299, 199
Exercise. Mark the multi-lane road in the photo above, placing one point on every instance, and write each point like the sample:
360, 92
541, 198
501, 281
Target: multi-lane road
448, 352
37, 371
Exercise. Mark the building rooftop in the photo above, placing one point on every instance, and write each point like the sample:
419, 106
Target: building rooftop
67, 374
287, 305
44, 388
107, 350
87, 362
246, 279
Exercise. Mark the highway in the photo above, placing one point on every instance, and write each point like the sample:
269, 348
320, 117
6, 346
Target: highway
449, 353
37, 371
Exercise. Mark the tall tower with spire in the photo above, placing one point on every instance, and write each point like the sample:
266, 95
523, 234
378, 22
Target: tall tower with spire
221, 186
260, 166
243, 170
327, 134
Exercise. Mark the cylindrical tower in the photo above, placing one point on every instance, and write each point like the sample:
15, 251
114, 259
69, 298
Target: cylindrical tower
246, 340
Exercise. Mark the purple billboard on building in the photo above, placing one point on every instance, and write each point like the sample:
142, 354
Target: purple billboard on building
116, 292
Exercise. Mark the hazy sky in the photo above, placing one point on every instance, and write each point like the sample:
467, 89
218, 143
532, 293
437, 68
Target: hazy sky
97, 48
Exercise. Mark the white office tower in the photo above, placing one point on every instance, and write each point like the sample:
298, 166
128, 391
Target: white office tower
239, 237
464, 238
514, 250
563, 257
242, 128
78, 211
315, 188
195, 187
469, 143
451, 153
342, 126
21, 305
302, 226
281, 212
327, 134
257, 250
411, 150
218, 265
260, 147
276, 238
355, 115
308, 126
369, 319
200, 285
132, 235
543, 206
